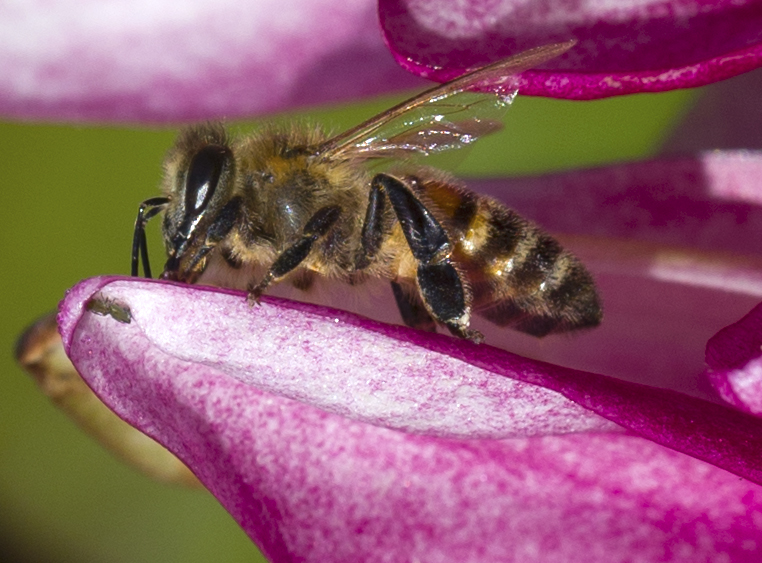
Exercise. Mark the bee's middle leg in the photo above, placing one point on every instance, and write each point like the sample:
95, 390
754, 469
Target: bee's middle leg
439, 282
318, 225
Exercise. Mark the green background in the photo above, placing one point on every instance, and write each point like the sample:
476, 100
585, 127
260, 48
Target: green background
69, 198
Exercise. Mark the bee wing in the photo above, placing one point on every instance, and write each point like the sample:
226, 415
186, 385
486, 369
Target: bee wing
448, 116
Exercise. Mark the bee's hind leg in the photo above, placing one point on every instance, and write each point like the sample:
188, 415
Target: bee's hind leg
413, 310
439, 282
318, 225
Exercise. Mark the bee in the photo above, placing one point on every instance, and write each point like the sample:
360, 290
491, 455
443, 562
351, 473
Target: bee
300, 204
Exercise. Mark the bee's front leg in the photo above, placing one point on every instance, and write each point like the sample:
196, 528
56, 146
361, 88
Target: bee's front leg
148, 209
318, 225
439, 282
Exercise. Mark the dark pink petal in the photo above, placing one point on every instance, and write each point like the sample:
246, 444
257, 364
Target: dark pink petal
623, 47
293, 416
734, 357
169, 61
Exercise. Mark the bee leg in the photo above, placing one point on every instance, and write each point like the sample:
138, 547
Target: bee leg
372, 228
148, 209
291, 257
304, 280
442, 291
439, 282
413, 310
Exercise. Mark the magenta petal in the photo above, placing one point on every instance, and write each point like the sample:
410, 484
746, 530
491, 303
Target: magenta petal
623, 47
294, 416
169, 61
734, 357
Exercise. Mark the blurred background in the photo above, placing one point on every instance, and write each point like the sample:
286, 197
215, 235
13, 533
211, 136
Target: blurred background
69, 197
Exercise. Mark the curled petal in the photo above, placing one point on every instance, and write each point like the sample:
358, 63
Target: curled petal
381, 376
334, 438
164, 61
734, 357
623, 47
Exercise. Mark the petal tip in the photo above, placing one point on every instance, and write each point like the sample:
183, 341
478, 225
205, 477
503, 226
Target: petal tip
75, 300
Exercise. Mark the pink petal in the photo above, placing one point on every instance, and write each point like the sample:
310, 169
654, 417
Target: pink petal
293, 416
734, 357
623, 47
166, 61
364, 380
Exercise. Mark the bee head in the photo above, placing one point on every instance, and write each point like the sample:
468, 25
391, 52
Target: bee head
199, 177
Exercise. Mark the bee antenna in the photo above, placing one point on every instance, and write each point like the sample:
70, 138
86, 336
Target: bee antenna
147, 209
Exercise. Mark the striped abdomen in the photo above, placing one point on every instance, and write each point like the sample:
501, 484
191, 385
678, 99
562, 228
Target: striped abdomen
518, 275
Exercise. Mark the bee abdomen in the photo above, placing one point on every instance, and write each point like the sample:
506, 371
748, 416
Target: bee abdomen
522, 277
517, 274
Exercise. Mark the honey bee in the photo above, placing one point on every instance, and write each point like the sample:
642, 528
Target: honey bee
300, 204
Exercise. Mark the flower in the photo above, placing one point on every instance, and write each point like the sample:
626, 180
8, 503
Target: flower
325, 449
334, 438
331, 438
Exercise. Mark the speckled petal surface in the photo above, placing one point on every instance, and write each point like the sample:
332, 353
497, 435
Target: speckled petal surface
159, 60
440, 449
623, 47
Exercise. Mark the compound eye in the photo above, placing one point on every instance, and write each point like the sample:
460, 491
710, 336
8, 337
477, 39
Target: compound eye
203, 176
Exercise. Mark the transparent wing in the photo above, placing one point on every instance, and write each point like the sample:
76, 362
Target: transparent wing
448, 116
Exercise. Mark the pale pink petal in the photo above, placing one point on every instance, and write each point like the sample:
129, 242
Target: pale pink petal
382, 374
163, 61
293, 416
623, 47
707, 201
158, 60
